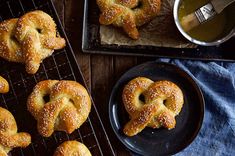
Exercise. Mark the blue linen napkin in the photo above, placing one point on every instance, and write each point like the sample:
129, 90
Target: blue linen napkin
217, 82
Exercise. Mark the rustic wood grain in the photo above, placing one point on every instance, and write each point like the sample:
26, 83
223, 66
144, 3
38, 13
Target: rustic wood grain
122, 64
100, 72
73, 27
59, 4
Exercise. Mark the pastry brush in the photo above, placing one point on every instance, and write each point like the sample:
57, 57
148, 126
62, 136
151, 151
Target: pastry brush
204, 13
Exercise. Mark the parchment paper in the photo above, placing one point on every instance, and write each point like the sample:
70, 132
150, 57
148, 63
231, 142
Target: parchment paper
160, 32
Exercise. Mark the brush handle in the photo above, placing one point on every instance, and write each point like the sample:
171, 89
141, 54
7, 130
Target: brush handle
205, 12
199, 16
220, 5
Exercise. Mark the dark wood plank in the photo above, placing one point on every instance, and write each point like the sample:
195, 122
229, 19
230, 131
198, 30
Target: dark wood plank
102, 81
122, 64
73, 27
59, 5
102, 78
100, 72
141, 60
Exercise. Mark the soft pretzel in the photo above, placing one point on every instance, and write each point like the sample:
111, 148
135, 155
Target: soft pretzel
29, 39
10, 48
36, 32
128, 14
4, 86
163, 100
68, 106
72, 148
9, 137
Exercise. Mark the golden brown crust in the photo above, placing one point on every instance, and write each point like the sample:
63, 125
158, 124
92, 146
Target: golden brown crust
9, 137
163, 101
4, 86
127, 13
72, 148
131, 94
68, 107
10, 48
29, 39
36, 32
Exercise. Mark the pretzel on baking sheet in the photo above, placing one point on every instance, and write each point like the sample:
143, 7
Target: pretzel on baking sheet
128, 14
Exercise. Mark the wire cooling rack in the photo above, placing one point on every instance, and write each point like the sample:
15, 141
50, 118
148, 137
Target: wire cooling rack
61, 65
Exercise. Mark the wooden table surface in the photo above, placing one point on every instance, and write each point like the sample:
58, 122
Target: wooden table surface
100, 71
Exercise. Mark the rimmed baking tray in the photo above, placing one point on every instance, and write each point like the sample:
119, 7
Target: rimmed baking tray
91, 43
61, 65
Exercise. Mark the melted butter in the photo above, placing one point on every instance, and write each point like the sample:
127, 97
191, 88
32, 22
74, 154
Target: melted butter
208, 31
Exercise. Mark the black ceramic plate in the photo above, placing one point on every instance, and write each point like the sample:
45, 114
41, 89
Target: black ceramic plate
159, 141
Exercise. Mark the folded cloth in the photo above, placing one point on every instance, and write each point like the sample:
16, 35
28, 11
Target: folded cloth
217, 82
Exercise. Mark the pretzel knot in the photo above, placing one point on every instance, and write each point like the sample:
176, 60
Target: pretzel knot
4, 86
128, 14
36, 32
67, 107
9, 138
72, 148
162, 101
10, 48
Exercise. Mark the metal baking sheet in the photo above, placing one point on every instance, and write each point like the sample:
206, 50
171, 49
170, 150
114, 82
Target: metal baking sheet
91, 43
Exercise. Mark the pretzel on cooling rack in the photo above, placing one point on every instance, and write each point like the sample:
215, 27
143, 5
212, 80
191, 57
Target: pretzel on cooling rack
10, 48
128, 14
70, 148
163, 100
36, 32
68, 106
4, 86
9, 137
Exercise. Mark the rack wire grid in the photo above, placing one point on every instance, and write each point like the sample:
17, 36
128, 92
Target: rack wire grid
61, 65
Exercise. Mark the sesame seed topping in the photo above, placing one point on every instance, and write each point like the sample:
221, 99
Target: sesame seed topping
163, 101
67, 109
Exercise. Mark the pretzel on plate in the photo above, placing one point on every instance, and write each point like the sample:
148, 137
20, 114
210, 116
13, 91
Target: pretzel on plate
163, 100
